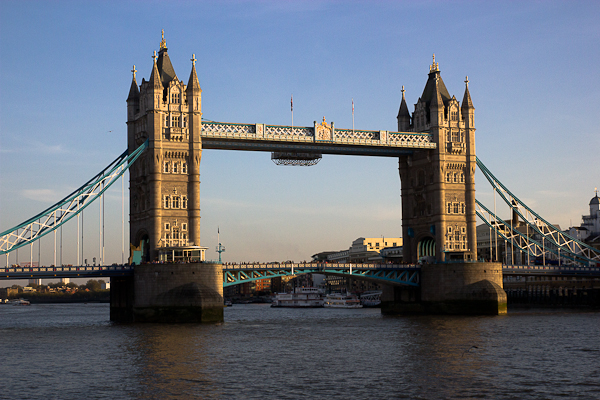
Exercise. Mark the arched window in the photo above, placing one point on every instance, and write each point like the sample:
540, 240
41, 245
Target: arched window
167, 167
462, 207
167, 202
176, 200
183, 201
184, 167
449, 208
175, 167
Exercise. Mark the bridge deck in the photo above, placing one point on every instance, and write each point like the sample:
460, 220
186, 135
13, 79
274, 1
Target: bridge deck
261, 137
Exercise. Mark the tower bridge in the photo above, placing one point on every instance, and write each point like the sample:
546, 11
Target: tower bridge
435, 147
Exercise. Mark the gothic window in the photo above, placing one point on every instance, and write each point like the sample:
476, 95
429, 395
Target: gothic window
184, 227
175, 167
167, 226
185, 122
449, 229
463, 230
455, 178
462, 177
449, 208
167, 120
167, 202
177, 122
454, 115
455, 206
184, 236
176, 201
184, 167
456, 136
462, 207
448, 177
166, 168
176, 235
175, 97
183, 201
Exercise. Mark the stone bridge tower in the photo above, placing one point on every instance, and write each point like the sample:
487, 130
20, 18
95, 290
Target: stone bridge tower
164, 182
438, 186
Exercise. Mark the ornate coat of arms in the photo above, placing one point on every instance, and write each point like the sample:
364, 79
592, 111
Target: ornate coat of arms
323, 131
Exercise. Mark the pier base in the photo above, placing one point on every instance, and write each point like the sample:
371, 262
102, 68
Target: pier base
454, 288
171, 293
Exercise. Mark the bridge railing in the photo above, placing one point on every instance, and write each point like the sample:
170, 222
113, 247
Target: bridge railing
255, 266
551, 269
16, 272
306, 134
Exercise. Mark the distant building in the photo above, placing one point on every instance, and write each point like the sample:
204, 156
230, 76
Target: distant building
589, 231
363, 250
105, 285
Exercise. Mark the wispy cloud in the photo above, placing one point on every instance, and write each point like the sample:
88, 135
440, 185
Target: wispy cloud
43, 195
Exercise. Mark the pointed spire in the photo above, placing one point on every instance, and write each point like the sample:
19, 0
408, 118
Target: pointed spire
403, 111
193, 85
155, 75
403, 114
134, 91
467, 103
437, 100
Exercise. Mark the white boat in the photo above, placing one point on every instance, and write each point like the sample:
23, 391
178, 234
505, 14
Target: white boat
302, 297
342, 300
21, 302
371, 299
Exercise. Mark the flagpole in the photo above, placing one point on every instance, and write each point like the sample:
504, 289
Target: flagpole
292, 109
352, 116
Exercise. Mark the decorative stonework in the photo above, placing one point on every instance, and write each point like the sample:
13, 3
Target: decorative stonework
323, 131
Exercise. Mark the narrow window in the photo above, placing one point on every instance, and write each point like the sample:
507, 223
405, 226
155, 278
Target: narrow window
184, 167
167, 226
176, 201
166, 168
184, 202
175, 167
167, 201
184, 226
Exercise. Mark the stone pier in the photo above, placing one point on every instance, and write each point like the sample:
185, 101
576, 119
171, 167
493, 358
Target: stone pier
171, 293
451, 288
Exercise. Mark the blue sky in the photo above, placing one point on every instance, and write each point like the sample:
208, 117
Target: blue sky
65, 72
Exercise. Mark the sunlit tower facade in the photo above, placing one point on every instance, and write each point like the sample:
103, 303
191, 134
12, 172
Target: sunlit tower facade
438, 186
165, 180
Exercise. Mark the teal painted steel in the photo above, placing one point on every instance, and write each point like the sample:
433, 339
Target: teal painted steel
67, 208
400, 274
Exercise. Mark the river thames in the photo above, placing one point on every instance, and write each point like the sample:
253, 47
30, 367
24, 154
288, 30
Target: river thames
69, 351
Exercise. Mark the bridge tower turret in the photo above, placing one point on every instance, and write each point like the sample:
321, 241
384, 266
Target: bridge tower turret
164, 182
438, 186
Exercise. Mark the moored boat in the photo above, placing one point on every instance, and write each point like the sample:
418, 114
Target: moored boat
342, 300
21, 302
302, 297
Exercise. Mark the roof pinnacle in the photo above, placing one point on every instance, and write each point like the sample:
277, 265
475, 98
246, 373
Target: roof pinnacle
467, 81
193, 60
434, 67
134, 71
154, 57
401, 90
163, 42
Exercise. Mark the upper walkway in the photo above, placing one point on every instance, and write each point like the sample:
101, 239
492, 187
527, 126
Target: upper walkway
322, 138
